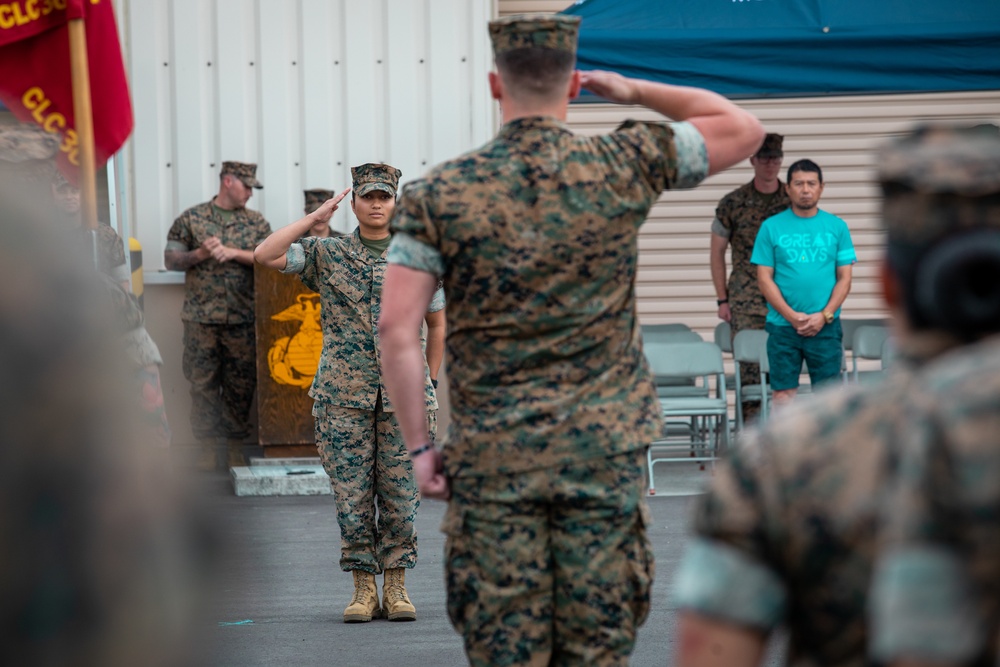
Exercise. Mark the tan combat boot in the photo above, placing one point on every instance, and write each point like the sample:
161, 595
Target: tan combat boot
364, 605
395, 601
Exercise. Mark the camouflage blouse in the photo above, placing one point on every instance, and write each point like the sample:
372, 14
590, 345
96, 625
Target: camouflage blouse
787, 531
218, 293
349, 280
535, 237
738, 218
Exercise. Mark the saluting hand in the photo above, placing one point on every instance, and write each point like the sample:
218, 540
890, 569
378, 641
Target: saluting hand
326, 210
611, 86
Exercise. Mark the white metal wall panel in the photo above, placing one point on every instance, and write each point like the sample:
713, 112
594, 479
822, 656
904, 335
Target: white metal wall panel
304, 88
322, 81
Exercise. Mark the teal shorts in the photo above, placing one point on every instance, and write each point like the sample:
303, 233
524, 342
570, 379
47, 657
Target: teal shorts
823, 355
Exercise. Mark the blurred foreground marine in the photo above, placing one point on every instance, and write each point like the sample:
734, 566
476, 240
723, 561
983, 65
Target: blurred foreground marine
787, 532
139, 348
99, 567
936, 594
534, 235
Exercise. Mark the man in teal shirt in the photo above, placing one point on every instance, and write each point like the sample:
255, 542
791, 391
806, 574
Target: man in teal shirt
804, 257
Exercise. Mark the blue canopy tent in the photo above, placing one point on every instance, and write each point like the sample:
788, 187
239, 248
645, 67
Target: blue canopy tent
784, 48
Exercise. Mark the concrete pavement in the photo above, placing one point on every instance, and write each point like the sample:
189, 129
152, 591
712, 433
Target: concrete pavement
280, 594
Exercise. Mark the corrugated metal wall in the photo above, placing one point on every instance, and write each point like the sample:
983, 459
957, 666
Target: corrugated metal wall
304, 88
838, 133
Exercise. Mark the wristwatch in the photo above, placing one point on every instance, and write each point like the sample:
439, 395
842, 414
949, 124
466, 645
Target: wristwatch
828, 316
719, 302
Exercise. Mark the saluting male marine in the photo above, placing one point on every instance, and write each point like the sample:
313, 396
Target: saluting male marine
534, 235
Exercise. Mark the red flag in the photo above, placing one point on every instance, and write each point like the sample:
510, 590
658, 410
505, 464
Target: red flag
35, 79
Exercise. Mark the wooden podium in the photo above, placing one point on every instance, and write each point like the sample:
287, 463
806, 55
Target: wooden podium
289, 342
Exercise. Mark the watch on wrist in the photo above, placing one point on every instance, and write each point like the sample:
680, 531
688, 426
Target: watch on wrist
426, 447
828, 316
719, 302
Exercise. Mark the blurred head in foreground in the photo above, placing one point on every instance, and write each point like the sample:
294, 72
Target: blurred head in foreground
99, 560
941, 210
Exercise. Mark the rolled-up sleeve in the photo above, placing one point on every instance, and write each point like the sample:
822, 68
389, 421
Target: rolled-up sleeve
692, 155
295, 259
411, 253
437, 301
922, 607
719, 581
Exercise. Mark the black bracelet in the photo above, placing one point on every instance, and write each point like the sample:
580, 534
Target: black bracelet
414, 453
719, 302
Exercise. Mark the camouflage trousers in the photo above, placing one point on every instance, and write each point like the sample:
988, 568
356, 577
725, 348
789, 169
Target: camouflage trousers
749, 373
372, 479
551, 566
220, 362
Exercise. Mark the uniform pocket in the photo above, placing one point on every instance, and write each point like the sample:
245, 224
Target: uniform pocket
349, 282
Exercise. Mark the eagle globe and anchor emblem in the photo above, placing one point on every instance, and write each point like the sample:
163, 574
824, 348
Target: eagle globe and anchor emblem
293, 360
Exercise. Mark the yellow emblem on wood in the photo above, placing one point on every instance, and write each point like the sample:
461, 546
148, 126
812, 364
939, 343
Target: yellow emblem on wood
294, 359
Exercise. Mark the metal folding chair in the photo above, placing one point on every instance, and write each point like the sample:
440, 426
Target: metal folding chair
867, 344
709, 435
723, 335
748, 348
849, 326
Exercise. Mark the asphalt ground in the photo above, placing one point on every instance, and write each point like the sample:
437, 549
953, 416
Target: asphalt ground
278, 594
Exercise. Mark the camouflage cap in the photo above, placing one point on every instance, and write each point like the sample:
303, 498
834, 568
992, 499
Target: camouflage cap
771, 146
375, 176
940, 179
519, 31
315, 198
245, 171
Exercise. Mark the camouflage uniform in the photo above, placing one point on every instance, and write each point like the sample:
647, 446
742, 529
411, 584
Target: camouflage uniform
737, 219
787, 530
219, 342
356, 431
936, 594
552, 403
